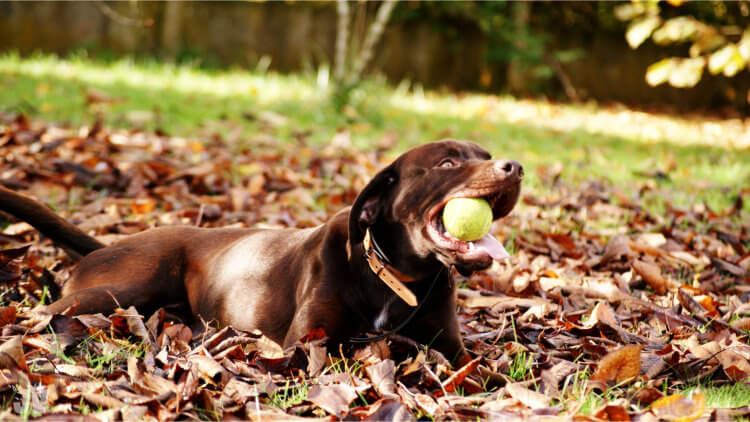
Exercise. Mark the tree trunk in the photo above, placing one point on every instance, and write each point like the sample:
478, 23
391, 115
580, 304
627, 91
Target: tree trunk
342, 40
170, 29
517, 78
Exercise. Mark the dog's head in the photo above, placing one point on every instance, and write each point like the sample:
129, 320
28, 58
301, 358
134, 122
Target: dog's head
403, 204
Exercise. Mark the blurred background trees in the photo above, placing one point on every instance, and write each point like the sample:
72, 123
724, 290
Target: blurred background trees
686, 56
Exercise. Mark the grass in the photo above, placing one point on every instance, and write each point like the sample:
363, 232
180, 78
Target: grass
520, 367
106, 357
588, 142
727, 396
289, 395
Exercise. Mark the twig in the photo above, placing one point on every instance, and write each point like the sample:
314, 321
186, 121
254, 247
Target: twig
435, 377
372, 38
199, 219
120, 18
567, 84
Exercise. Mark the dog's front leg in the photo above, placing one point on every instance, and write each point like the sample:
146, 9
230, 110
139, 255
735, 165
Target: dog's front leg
437, 327
314, 315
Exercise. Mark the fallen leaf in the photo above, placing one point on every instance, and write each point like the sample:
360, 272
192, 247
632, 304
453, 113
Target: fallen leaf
528, 397
680, 408
651, 273
619, 365
382, 375
334, 399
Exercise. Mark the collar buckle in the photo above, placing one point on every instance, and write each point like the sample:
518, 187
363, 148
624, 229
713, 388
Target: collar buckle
390, 276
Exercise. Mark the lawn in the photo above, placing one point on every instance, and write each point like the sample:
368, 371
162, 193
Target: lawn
688, 159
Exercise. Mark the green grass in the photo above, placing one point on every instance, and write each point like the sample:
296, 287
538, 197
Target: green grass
725, 396
289, 395
199, 103
520, 367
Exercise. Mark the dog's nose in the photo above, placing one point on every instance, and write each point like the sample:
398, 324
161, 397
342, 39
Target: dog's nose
509, 168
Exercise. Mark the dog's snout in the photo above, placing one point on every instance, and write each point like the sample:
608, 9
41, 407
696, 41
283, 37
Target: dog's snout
509, 168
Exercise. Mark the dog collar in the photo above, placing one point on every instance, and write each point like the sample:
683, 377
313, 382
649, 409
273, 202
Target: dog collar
392, 277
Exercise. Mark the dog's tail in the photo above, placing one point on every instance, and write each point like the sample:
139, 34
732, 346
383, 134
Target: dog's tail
66, 235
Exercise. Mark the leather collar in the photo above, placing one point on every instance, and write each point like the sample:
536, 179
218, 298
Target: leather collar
392, 277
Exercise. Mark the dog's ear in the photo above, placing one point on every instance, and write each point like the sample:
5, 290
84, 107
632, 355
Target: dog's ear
369, 204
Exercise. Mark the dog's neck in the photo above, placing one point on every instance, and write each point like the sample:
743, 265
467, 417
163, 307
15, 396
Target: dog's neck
380, 265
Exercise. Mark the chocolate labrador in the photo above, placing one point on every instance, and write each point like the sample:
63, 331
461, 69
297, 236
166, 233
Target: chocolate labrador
367, 269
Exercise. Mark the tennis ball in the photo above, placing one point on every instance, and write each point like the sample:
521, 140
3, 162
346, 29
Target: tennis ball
467, 219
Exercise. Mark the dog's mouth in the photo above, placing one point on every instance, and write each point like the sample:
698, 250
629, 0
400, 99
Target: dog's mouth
476, 254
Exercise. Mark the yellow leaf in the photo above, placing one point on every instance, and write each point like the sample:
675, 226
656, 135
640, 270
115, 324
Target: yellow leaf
727, 60
142, 206
658, 73
679, 408
687, 73
676, 29
639, 30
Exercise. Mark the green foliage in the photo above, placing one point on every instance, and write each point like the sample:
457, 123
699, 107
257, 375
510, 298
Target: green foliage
718, 35
514, 32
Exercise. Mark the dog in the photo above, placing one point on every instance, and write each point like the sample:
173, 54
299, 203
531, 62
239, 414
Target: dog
383, 263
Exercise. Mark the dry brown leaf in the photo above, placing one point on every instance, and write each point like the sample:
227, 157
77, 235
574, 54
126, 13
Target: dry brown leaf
373, 352
318, 359
74, 370
426, 403
617, 248
732, 354
688, 258
334, 399
619, 365
552, 377
528, 397
505, 302
135, 323
11, 354
208, 369
102, 400
388, 410
7, 315
382, 375
452, 382
651, 273
612, 412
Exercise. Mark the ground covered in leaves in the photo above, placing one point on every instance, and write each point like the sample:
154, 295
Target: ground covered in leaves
606, 310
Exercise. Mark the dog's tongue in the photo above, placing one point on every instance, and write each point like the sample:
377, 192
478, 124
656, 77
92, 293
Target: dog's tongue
493, 247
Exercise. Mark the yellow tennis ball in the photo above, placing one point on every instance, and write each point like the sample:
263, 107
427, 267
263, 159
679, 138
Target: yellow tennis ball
467, 219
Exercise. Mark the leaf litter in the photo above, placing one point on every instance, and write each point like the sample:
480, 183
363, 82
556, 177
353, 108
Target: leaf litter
601, 298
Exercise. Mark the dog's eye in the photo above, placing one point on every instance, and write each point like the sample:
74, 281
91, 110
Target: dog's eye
447, 163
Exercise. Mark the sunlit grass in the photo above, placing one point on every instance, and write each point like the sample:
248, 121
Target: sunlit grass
265, 88
725, 396
706, 160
